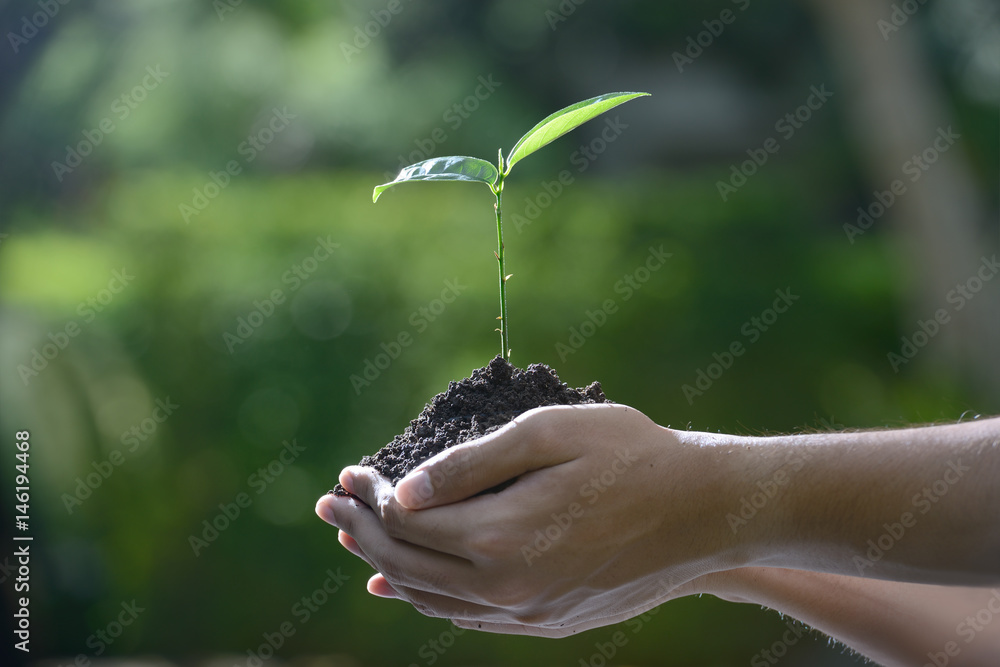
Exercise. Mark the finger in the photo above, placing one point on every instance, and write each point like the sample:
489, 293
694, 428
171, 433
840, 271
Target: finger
527, 443
367, 485
440, 606
324, 511
553, 630
459, 529
377, 585
507, 628
352, 545
615, 610
429, 530
497, 619
401, 563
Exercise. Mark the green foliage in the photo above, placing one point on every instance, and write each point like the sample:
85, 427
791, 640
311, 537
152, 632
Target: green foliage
460, 168
563, 121
451, 168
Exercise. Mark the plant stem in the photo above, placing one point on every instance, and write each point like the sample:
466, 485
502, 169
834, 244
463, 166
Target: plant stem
504, 342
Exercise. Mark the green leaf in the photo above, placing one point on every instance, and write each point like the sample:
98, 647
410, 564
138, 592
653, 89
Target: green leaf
563, 121
451, 168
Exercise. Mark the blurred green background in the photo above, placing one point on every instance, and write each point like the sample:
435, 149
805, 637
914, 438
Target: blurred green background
168, 166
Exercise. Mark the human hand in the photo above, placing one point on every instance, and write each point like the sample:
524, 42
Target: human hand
605, 519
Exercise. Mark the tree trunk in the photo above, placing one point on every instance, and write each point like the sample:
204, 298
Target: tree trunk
897, 111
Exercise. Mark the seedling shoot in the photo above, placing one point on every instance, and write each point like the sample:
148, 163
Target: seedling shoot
462, 168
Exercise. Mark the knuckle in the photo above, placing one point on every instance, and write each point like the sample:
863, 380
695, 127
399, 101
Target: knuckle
423, 606
467, 460
391, 570
362, 483
445, 470
346, 518
437, 580
489, 543
393, 517
539, 428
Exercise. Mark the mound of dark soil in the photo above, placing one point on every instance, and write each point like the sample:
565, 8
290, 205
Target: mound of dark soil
480, 404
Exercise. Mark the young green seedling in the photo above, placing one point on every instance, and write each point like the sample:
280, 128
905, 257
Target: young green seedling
462, 168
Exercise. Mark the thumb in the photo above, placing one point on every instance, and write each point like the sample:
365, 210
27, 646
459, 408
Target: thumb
464, 470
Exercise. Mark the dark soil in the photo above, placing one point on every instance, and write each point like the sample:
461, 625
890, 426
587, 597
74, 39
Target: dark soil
480, 404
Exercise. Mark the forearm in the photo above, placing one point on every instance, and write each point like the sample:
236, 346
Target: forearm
892, 623
920, 505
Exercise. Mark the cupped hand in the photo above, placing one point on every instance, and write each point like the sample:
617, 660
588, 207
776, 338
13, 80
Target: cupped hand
605, 518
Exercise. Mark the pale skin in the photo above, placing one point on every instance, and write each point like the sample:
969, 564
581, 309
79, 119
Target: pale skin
885, 540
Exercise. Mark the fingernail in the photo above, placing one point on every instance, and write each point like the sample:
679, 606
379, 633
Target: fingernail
414, 490
347, 481
324, 512
380, 594
379, 587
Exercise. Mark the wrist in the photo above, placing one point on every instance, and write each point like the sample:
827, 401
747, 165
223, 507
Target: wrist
721, 475
740, 584
752, 486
